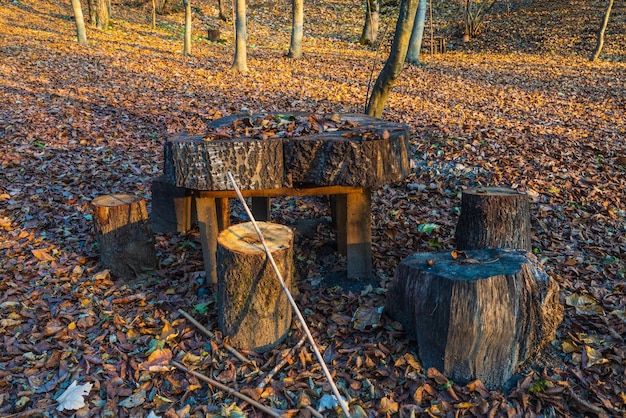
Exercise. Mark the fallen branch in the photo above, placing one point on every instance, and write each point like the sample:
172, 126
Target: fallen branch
305, 327
280, 364
201, 327
225, 388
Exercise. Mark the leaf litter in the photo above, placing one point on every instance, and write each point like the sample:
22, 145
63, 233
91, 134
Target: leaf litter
527, 112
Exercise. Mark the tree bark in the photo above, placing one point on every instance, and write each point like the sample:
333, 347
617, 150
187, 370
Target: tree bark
124, 236
395, 62
187, 44
253, 309
475, 316
222, 11
102, 14
153, 14
417, 34
601, 30
297, 16
494, 217
81, 33
372, 23
240, 64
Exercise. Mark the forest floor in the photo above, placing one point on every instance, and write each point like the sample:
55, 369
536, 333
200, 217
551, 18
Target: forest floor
521, 106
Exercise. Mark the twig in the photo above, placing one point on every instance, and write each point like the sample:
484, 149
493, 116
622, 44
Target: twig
225, 388
314, 412
305, 327
280, 364
211, 335
587, 405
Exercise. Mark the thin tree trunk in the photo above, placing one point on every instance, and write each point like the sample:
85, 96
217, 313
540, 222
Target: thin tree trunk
297, 14
395, 62
417, 34
372, 23
81, 33
240, 64
153, 14
222, 12
605, 22
187, 44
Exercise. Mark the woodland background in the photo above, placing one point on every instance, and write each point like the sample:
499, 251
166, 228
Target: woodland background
519, 106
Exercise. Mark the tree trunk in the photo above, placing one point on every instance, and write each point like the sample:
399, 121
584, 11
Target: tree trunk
372, 23
124, 236
102, 14
297, 15
153, 14
475, 316
187, 44
417, 34
600, 39
222, 11
494, 217
253, 309
81, 33
395, 62
240, 64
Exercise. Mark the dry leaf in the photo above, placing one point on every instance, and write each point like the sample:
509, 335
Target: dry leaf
73, 397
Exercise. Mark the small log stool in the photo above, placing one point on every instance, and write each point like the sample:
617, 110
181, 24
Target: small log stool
476, 315
124, 236
253, 310
494, 217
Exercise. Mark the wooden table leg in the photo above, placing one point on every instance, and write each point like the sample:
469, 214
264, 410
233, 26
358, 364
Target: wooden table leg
208, 228
340, 219
261, 209
223, 213
358, 235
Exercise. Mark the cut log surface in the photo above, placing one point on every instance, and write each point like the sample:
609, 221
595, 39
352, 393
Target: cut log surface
124, 235
197, 164
253, 310
476, 316
494, 217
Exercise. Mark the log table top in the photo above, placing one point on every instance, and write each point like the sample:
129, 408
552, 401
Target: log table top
292, 154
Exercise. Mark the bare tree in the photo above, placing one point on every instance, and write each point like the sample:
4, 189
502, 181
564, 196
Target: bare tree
81, 33
187, 44
395, 62
297, 17
600, 39
417, 34
240, 64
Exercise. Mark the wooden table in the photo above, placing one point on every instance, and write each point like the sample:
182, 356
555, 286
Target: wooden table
345, 164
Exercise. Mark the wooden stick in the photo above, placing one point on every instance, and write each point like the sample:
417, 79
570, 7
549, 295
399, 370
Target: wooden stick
305, 327
281, 363
225, 388
211, 335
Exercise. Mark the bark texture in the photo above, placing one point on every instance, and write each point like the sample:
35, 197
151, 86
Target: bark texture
81, 33
372, 23
124, 236
601, 30
493, 217
476, 316
196, 164
253, 310
297, 18
187, 43
240, 63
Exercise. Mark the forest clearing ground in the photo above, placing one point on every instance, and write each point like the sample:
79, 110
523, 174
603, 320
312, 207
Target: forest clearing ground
520, 106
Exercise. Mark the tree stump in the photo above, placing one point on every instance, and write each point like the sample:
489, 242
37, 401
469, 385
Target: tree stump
494, 217
124, 236
171, 207
253, 310
478, 315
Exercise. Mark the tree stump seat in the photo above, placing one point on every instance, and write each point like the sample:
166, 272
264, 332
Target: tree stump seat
346, 163
475, 314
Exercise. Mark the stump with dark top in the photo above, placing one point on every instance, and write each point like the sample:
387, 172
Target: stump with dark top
253, 310
478, 315
347, 163
124, 236
494, 217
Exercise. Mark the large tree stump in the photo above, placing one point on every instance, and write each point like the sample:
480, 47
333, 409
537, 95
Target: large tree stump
124, 236
253, 310
478, 315
494, 217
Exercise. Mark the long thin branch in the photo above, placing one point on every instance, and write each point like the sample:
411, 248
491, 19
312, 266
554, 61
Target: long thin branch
305, 327
201, 327
281, 363
225, 388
